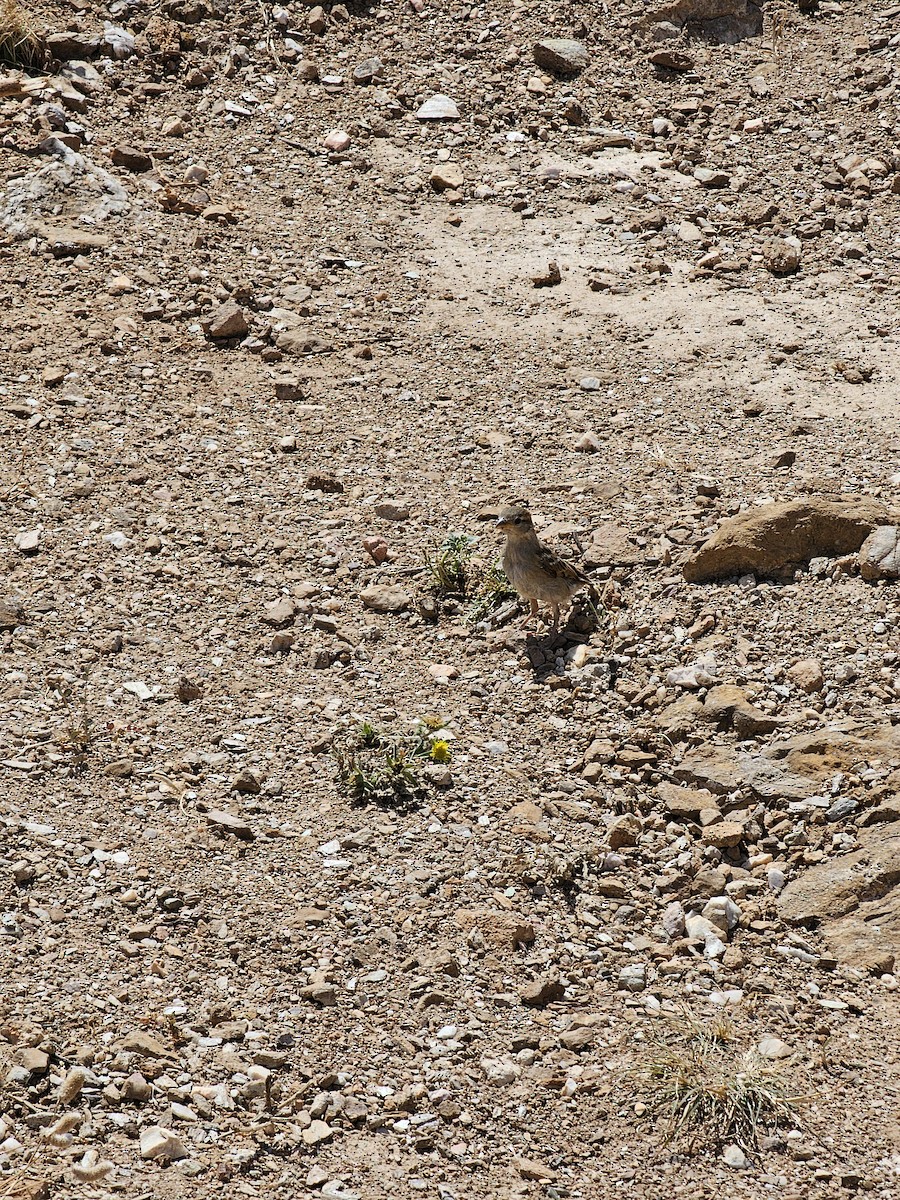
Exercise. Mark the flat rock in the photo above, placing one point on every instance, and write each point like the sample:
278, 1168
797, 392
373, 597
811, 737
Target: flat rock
385, 597
438, 108
230, 824
446, 176
684, 803
879, 555
561, 56
854, 900
132, 159
726, 21
502, 930
301, 341
774, 536
542, 991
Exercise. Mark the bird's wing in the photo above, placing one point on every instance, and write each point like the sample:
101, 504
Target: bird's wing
560, 568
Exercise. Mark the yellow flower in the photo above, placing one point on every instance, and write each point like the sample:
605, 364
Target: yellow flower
440, 751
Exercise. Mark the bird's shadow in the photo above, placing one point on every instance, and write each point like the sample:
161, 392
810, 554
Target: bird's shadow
546, 649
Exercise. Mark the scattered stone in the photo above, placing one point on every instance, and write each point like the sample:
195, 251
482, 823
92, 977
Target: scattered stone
542, 992
157, 1142
228, 321
229, 823
782, 255
561, 56
137, 161
438, 108
549, 278
446, 175
807, 675
385, 598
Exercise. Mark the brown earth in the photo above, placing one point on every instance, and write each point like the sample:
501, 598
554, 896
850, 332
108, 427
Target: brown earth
242, 394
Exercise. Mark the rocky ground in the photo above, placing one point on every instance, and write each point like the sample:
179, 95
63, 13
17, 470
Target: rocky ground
291, 296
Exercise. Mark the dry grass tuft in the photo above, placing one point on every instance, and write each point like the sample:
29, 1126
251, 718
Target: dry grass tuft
707, 1085
20, 45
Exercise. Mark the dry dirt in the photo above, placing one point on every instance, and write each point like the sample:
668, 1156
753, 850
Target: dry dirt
462, 996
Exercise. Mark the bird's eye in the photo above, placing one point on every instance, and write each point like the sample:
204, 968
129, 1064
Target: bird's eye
518, 521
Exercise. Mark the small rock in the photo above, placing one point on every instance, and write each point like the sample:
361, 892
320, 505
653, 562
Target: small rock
708, 178
438, 108
228, 321
549, 278
723, 834
385, 598
529, 1168
246, 783
879, 555
316, 1133
280, 613
807, 675
34, 1061
230, 823
782, 255
28, 542
624, 831
316, 20
733, 1156
136, 1088
136, 161
446, 175
542, 991
561, 56
722, 912
633, 977
773, 1048
157, 1142
368, 71
337, 141
390, 511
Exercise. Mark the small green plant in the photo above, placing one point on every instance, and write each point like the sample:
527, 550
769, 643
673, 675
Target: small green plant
77, 734
449, 564
490, 589
374, 767
707, 1085
20, 46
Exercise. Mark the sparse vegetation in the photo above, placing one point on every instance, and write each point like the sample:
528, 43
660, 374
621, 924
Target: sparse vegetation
459, 576
20, 46
374, 767
78, 733
708, 1086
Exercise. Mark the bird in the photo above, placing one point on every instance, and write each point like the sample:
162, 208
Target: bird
534, 570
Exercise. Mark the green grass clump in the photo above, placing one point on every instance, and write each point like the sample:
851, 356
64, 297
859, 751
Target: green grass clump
458, 575
708, 1086
374, 767
20, 46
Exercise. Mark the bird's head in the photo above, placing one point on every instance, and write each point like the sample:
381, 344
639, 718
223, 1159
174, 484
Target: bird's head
515, 522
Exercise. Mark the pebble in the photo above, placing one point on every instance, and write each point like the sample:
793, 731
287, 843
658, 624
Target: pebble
157, 1142
385, 598
438, 108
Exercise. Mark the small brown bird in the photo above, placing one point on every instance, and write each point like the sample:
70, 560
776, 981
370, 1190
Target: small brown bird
534, 570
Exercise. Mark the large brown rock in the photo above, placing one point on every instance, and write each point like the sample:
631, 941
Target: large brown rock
855, 900
719, 20
774, 536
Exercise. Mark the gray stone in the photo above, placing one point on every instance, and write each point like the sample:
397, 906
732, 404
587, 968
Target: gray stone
385, 598
561, 56
879, 555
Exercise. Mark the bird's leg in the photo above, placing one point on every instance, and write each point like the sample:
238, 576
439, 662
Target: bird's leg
554, 625
530, 615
